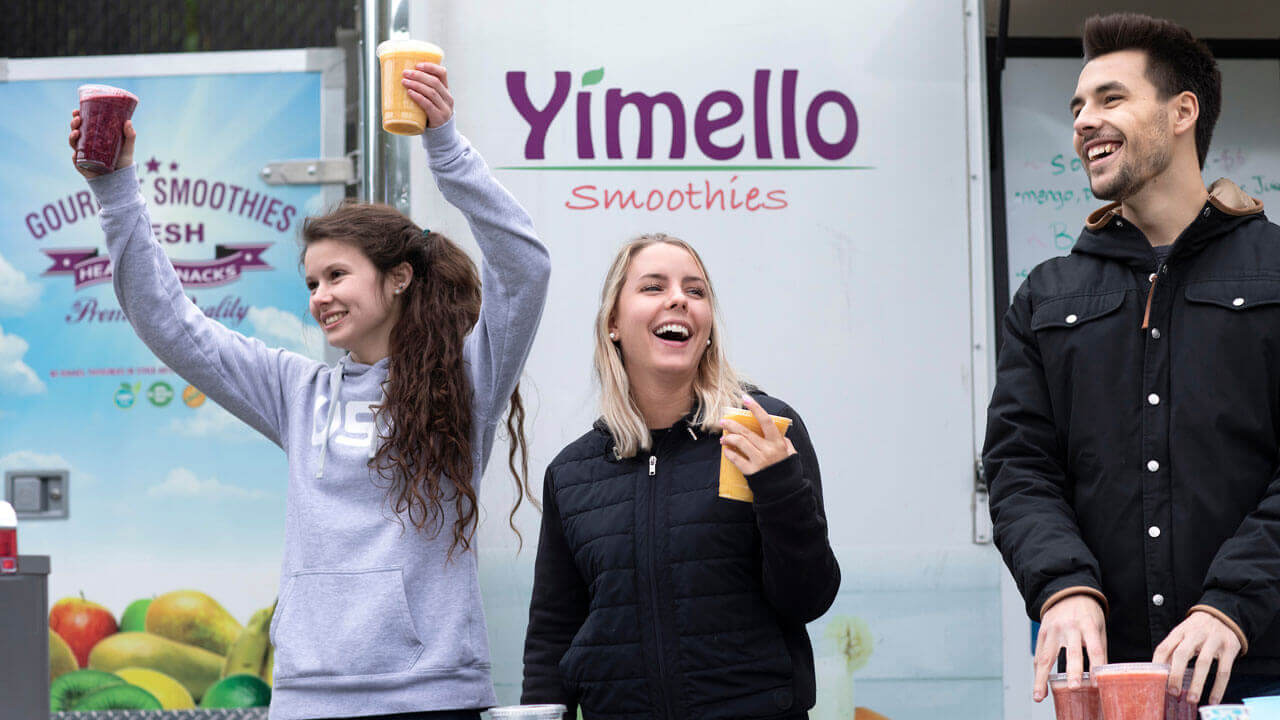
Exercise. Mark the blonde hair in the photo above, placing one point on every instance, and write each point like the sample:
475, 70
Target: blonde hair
715, 384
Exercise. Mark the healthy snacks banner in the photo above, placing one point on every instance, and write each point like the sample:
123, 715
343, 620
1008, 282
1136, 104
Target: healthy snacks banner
165, 572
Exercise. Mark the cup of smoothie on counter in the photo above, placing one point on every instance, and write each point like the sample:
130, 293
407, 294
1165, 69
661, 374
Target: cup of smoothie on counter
103, 112
400, 114
1177, 707
1132, 691
1078, 703
733, 484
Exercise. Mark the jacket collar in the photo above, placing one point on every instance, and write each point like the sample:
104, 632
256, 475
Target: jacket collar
685, 423
1108, 234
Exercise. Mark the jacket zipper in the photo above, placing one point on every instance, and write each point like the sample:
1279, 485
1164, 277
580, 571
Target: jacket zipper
653, 582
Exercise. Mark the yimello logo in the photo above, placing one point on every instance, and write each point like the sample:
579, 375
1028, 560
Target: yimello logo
708, 119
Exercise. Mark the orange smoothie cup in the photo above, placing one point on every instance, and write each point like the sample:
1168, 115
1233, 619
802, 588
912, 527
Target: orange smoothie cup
401, 115
1132, 691
733, 485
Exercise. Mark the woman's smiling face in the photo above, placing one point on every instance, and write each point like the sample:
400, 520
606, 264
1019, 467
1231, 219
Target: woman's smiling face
663, 315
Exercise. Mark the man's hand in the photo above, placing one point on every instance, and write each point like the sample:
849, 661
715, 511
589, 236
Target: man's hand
1206, 638
1075, 623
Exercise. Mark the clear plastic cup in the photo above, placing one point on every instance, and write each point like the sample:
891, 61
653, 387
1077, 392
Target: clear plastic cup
400, 114
1177, 707
527, 712
1224, 712
1263, 708
733, 484
1081, 703
103, 112
1132, 691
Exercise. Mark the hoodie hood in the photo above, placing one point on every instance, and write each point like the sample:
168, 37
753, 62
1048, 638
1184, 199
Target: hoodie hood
1108, 234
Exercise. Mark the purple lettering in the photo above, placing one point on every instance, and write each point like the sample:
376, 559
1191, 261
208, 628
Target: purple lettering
539, 120
704, 125
614, 101
790, 146
761, 112
843, 146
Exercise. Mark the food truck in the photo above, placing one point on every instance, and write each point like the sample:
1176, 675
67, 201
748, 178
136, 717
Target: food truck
867, 183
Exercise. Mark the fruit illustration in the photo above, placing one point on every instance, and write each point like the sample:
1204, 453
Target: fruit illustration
119, 697
191, 617
852, 638
249, 651
195, 668
82, 624
268, 666
70, 688
169, 692
61, 659
865, 714
237, 691
134, 618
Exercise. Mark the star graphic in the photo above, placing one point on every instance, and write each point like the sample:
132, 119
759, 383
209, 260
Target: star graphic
153, 165
173, 166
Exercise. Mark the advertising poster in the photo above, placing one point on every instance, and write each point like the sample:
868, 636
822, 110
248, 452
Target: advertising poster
820, 158
176, 509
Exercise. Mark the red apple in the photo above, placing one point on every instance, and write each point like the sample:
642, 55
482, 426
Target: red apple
82, 624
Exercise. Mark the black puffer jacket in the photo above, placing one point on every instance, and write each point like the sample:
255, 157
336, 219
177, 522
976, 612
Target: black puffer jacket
655, 598
1133, 439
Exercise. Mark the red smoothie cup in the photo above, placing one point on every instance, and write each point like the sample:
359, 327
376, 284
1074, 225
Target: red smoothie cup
1080, 703
103, 112
1132, 691
1177, 707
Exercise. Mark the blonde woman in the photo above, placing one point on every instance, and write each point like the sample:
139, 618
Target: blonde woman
653, 597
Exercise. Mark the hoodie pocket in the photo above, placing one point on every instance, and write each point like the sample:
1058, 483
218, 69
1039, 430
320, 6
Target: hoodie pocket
344, 623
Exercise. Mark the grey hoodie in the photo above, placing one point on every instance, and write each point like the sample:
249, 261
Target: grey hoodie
371, 617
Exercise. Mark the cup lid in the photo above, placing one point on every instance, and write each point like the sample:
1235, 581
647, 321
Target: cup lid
407, 45
1062, 677
527, 712
1137, 667
88, 90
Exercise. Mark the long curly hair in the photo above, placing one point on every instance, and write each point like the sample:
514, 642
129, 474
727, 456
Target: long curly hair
425, 421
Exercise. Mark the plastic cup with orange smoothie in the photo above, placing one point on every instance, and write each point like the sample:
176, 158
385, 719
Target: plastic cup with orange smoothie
1132, 691
103, 112
400, 114
733, 484
1080, 703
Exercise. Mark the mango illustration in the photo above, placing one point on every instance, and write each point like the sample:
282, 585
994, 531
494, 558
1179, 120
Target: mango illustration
195, 668
171, 694
61, 659
193, 618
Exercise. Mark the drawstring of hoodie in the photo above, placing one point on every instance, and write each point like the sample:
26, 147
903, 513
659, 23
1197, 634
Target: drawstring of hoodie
335, 384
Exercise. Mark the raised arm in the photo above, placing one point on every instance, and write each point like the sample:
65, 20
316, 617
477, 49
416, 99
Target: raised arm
240, 373
516, 268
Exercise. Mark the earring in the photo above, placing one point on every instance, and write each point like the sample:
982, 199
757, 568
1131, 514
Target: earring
708, 342
398, 290
613, 337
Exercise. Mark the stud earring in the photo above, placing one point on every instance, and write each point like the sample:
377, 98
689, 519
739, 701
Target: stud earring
613, 337
708, 342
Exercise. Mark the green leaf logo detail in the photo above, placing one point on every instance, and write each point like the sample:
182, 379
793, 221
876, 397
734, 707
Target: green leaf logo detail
591, 77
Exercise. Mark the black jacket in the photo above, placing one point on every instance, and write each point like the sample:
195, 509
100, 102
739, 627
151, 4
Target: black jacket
655, 598
1133, 438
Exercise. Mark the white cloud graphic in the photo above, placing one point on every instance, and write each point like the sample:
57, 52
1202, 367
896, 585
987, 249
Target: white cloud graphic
32, 460
278, 328
16, 377
181, 482
17, 293
211, 419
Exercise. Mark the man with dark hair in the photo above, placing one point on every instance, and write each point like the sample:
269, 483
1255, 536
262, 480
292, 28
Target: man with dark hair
1133, 438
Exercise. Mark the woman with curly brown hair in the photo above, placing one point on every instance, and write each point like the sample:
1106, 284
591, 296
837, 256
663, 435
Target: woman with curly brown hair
376, 616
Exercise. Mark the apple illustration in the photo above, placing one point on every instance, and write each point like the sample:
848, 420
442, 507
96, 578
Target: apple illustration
81, 624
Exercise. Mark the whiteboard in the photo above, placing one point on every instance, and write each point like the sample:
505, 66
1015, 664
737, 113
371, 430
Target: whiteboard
1046, 191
